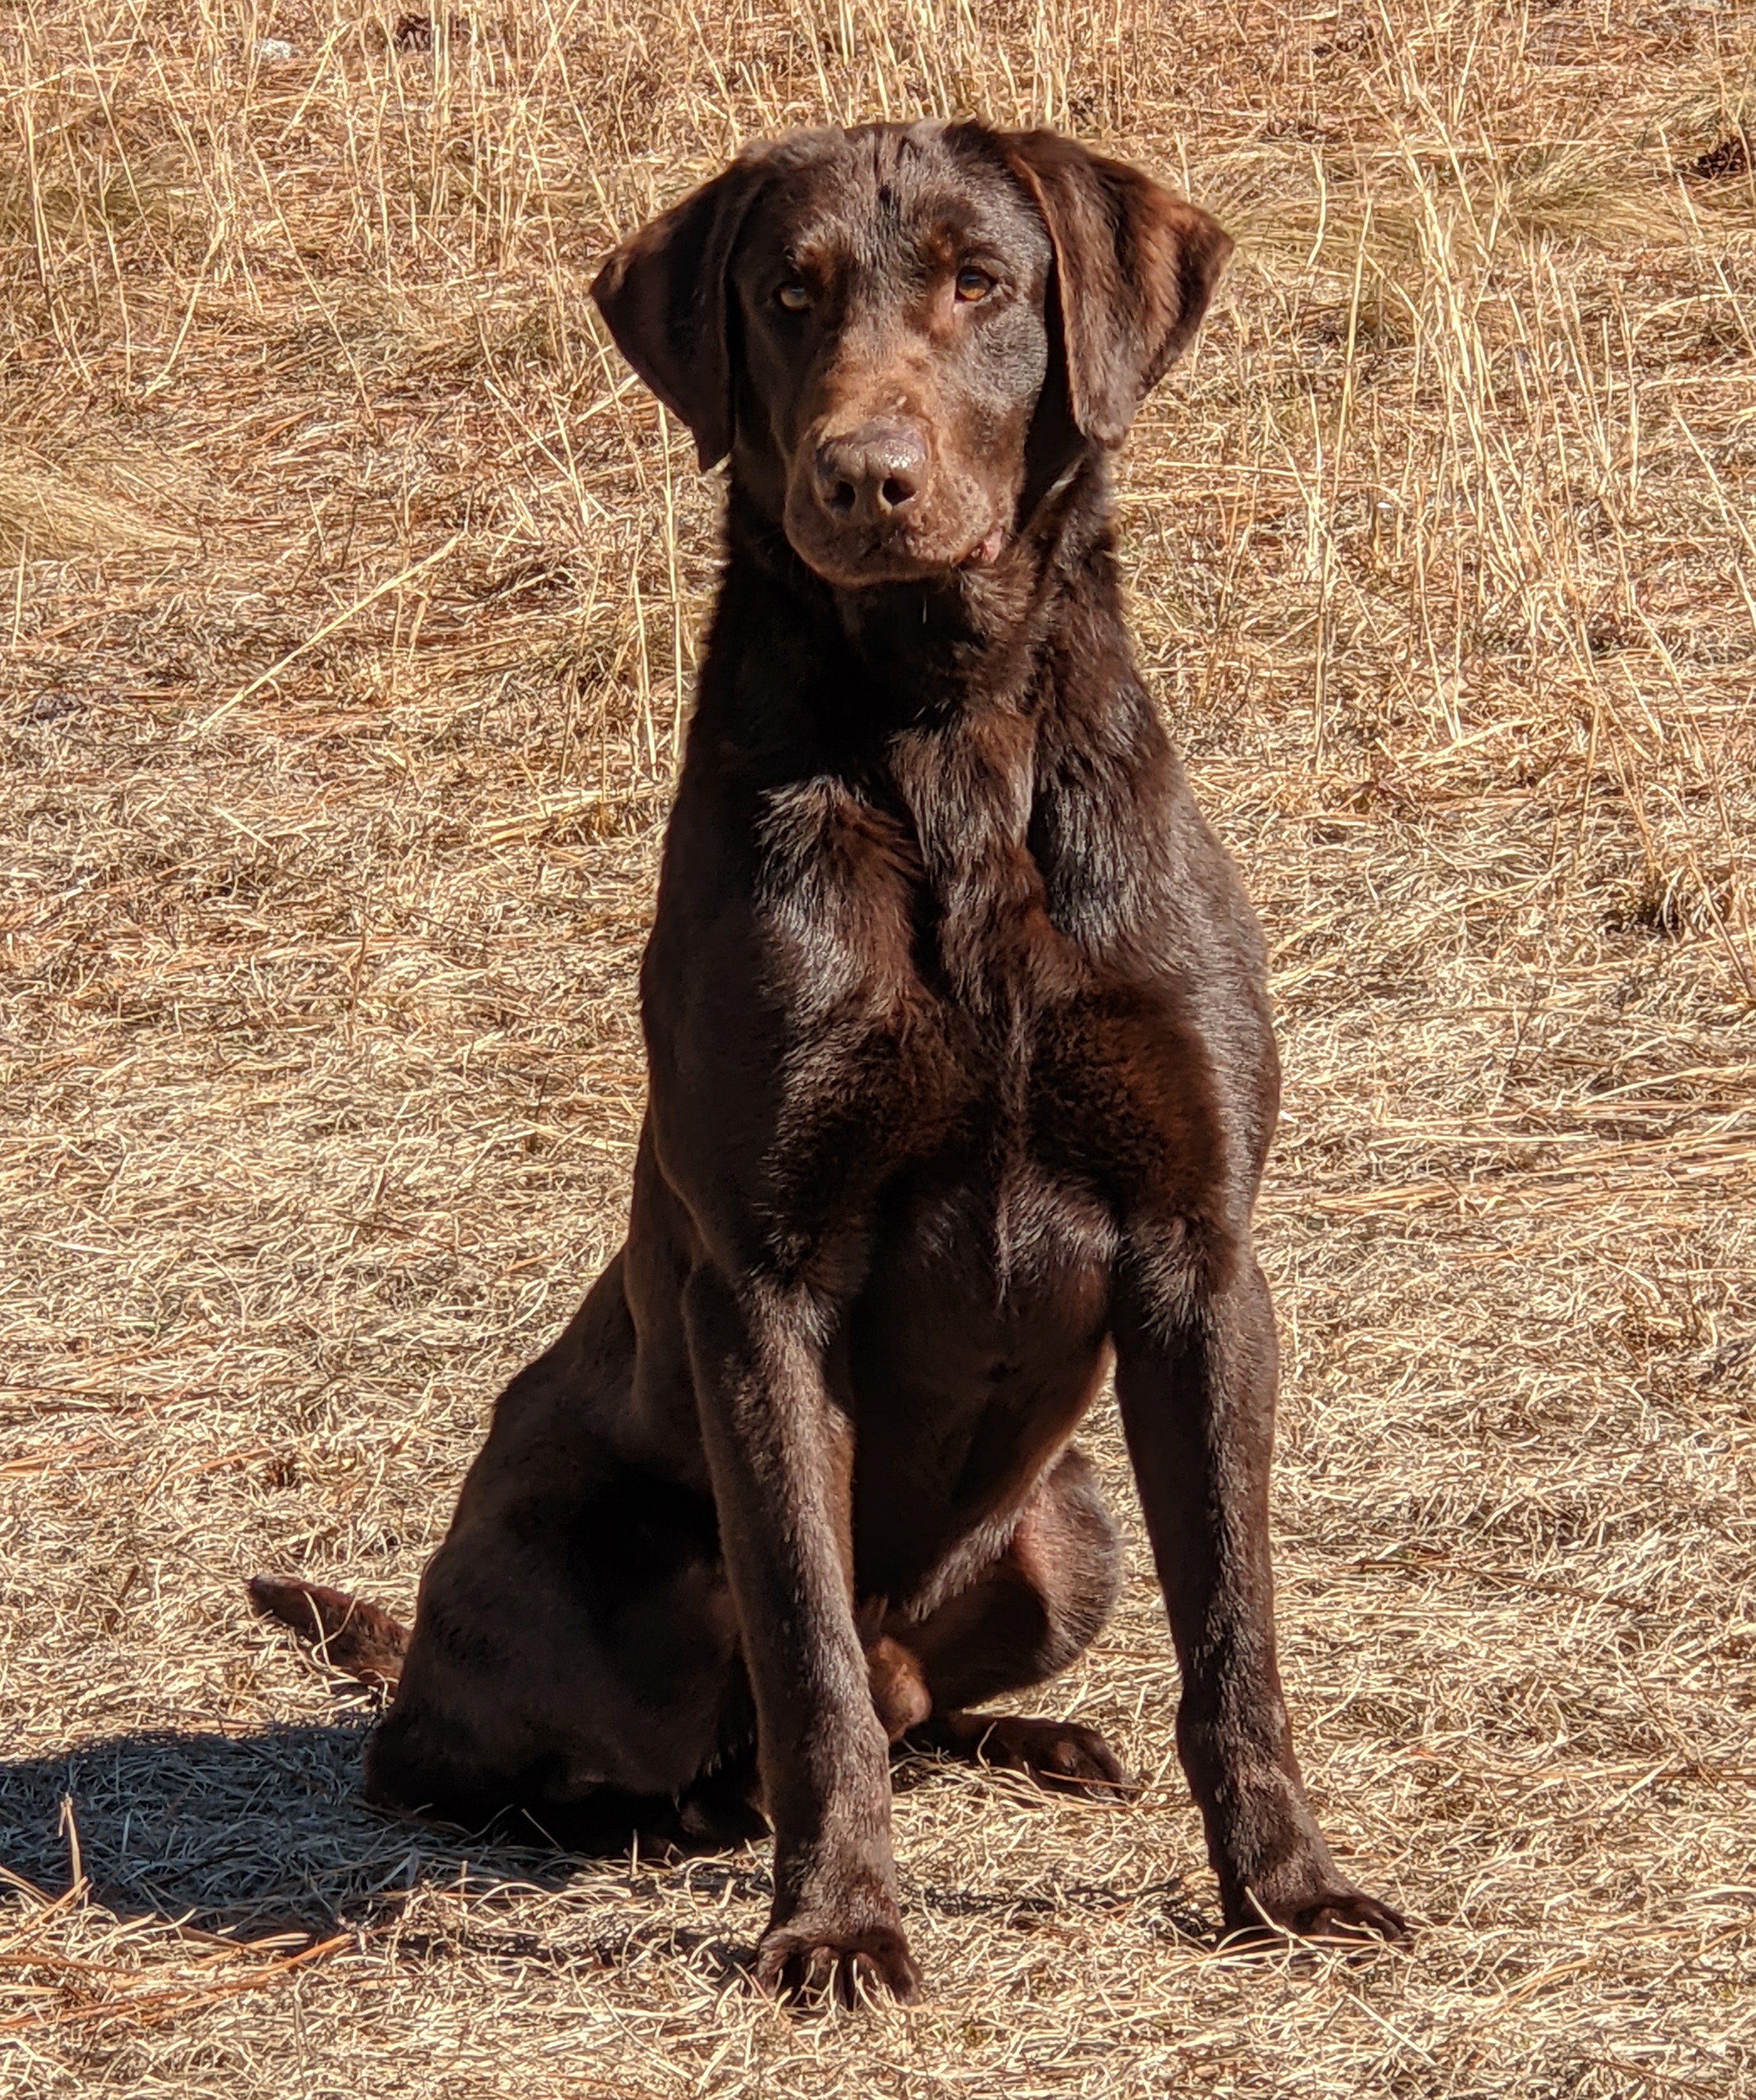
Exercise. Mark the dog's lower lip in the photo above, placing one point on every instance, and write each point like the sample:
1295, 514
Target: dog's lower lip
986, 551
879, 558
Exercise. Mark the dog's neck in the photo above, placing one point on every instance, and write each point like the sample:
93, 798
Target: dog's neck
905, 655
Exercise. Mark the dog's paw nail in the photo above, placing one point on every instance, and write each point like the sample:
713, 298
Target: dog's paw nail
815, 1968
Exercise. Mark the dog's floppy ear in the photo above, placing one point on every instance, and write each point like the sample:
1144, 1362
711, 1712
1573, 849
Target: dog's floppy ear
1134, 266
664, 296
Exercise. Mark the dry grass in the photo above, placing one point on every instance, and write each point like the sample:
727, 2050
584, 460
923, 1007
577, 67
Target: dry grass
348, 603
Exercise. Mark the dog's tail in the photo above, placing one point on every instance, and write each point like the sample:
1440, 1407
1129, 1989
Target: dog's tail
354, 1637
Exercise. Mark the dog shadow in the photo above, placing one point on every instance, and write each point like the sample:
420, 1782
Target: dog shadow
266, 1832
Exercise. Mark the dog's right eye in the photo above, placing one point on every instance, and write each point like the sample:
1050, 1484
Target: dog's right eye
794, 297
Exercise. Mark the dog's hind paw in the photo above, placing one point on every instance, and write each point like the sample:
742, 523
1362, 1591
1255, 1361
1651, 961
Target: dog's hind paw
1060, 1755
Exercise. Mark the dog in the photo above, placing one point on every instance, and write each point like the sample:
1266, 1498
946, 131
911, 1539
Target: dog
962, 1081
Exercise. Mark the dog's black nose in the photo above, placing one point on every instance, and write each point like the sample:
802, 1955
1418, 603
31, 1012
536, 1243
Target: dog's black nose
870, 474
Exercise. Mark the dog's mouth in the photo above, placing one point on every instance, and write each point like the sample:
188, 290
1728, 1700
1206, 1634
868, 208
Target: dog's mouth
854, 558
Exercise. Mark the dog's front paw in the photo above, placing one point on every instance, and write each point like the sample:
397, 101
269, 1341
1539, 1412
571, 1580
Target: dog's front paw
816, 1962
1330, 1911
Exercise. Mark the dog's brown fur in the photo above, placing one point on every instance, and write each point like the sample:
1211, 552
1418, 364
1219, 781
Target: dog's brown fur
961, 1080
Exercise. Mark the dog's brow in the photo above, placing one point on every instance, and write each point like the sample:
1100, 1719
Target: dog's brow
822, 259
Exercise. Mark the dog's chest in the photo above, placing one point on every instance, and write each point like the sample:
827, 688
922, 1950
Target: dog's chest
933, 991
916, 900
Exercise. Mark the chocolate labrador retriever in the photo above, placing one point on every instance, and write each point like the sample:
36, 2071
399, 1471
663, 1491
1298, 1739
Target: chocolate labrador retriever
961, 1083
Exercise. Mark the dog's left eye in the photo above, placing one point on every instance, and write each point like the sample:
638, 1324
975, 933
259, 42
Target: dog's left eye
794, 297
973, 284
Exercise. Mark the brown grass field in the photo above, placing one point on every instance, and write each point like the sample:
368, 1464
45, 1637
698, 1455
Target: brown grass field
349, 588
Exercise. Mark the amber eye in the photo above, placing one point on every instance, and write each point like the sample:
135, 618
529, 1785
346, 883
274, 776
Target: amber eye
795, 298
973, 284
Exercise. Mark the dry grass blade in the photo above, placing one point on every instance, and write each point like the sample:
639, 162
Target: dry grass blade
152, 2005
347, 591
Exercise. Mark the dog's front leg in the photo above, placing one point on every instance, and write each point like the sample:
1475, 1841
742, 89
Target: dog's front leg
1195, 1378
780, 1453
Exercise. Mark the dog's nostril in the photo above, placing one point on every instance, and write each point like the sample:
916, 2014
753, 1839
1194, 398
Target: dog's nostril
872, 474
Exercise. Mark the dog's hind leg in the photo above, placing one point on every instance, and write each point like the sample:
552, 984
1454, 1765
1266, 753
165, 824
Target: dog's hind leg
575, 1654
574, 1661
1022, 1619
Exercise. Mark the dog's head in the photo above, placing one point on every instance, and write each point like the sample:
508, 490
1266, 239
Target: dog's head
902, 333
